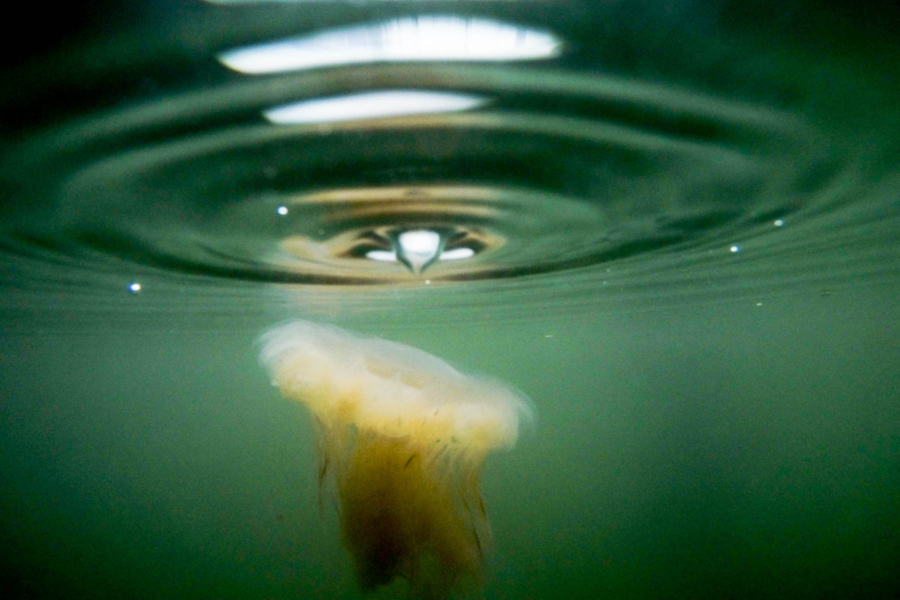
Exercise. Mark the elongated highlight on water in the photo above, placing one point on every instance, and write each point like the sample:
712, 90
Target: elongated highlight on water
402, 437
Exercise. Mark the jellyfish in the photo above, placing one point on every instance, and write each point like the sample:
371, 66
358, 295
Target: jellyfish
401, 440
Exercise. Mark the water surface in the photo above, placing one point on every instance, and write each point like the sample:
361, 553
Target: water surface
673, 227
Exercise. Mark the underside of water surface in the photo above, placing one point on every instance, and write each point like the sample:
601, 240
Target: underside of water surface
533, 155
675, 226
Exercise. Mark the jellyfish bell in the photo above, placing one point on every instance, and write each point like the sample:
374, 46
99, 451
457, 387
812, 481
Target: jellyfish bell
402, 437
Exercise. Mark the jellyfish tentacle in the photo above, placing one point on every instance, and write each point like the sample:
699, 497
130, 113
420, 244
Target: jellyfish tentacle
401, 438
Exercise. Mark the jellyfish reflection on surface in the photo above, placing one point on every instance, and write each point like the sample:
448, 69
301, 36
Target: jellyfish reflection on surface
402, 436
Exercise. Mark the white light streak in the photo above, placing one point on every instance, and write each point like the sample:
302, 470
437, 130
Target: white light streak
382, 255
410, 39
370, 105
457, 254
226, 2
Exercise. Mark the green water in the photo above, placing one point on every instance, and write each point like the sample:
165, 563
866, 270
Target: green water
729, 451
690, 264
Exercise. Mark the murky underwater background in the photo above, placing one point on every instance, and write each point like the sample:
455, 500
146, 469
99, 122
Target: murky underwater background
674, 226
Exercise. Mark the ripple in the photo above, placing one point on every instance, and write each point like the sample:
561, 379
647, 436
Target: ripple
617, 170
552, 172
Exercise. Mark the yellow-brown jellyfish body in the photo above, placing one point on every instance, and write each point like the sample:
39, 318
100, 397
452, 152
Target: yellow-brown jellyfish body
402, 436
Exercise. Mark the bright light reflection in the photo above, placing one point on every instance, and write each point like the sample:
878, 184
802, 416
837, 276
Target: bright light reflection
370, 105
419, 246
134, 288
457, 254
441, 38
417, 249
382, 255
282, 210
288, 1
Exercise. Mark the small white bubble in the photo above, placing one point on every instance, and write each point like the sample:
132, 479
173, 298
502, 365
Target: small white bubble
427, 282
548, 335
778, 222
735, 248
759, 303
134, 288
282, 210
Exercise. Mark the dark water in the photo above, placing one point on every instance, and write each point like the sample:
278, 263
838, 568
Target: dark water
673, 225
